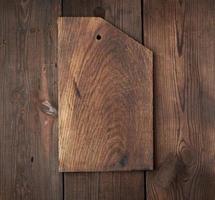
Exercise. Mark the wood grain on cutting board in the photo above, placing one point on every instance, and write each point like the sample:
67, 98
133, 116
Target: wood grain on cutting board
105, 98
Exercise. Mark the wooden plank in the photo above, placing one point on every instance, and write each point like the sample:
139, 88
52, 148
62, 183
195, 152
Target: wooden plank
126, 15
28, 74
181, 36
105, 185
105, 98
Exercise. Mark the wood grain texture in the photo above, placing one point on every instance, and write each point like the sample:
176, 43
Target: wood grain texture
104, 186
116, 185
28, 88
181, 36
105, 98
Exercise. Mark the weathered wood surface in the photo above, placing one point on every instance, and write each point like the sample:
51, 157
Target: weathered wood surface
181, 36
126, 15
28, 74
105, 98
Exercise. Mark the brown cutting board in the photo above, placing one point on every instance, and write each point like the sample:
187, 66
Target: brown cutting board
105, 98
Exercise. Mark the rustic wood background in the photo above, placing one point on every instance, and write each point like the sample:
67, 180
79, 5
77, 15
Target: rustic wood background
181, 35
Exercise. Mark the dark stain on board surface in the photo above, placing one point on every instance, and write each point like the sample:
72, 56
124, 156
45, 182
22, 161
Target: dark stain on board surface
123, 161
77, 91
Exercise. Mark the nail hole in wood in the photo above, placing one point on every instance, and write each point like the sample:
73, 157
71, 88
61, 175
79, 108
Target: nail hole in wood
98, 37
32, 159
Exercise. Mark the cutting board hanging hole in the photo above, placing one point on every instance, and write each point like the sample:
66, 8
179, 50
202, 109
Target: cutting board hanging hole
98, 37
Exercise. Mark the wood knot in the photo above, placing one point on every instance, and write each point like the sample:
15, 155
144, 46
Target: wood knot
48, 109
3, 43
169, 170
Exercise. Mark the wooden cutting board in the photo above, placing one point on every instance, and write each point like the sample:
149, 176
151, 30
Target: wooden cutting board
105, 98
